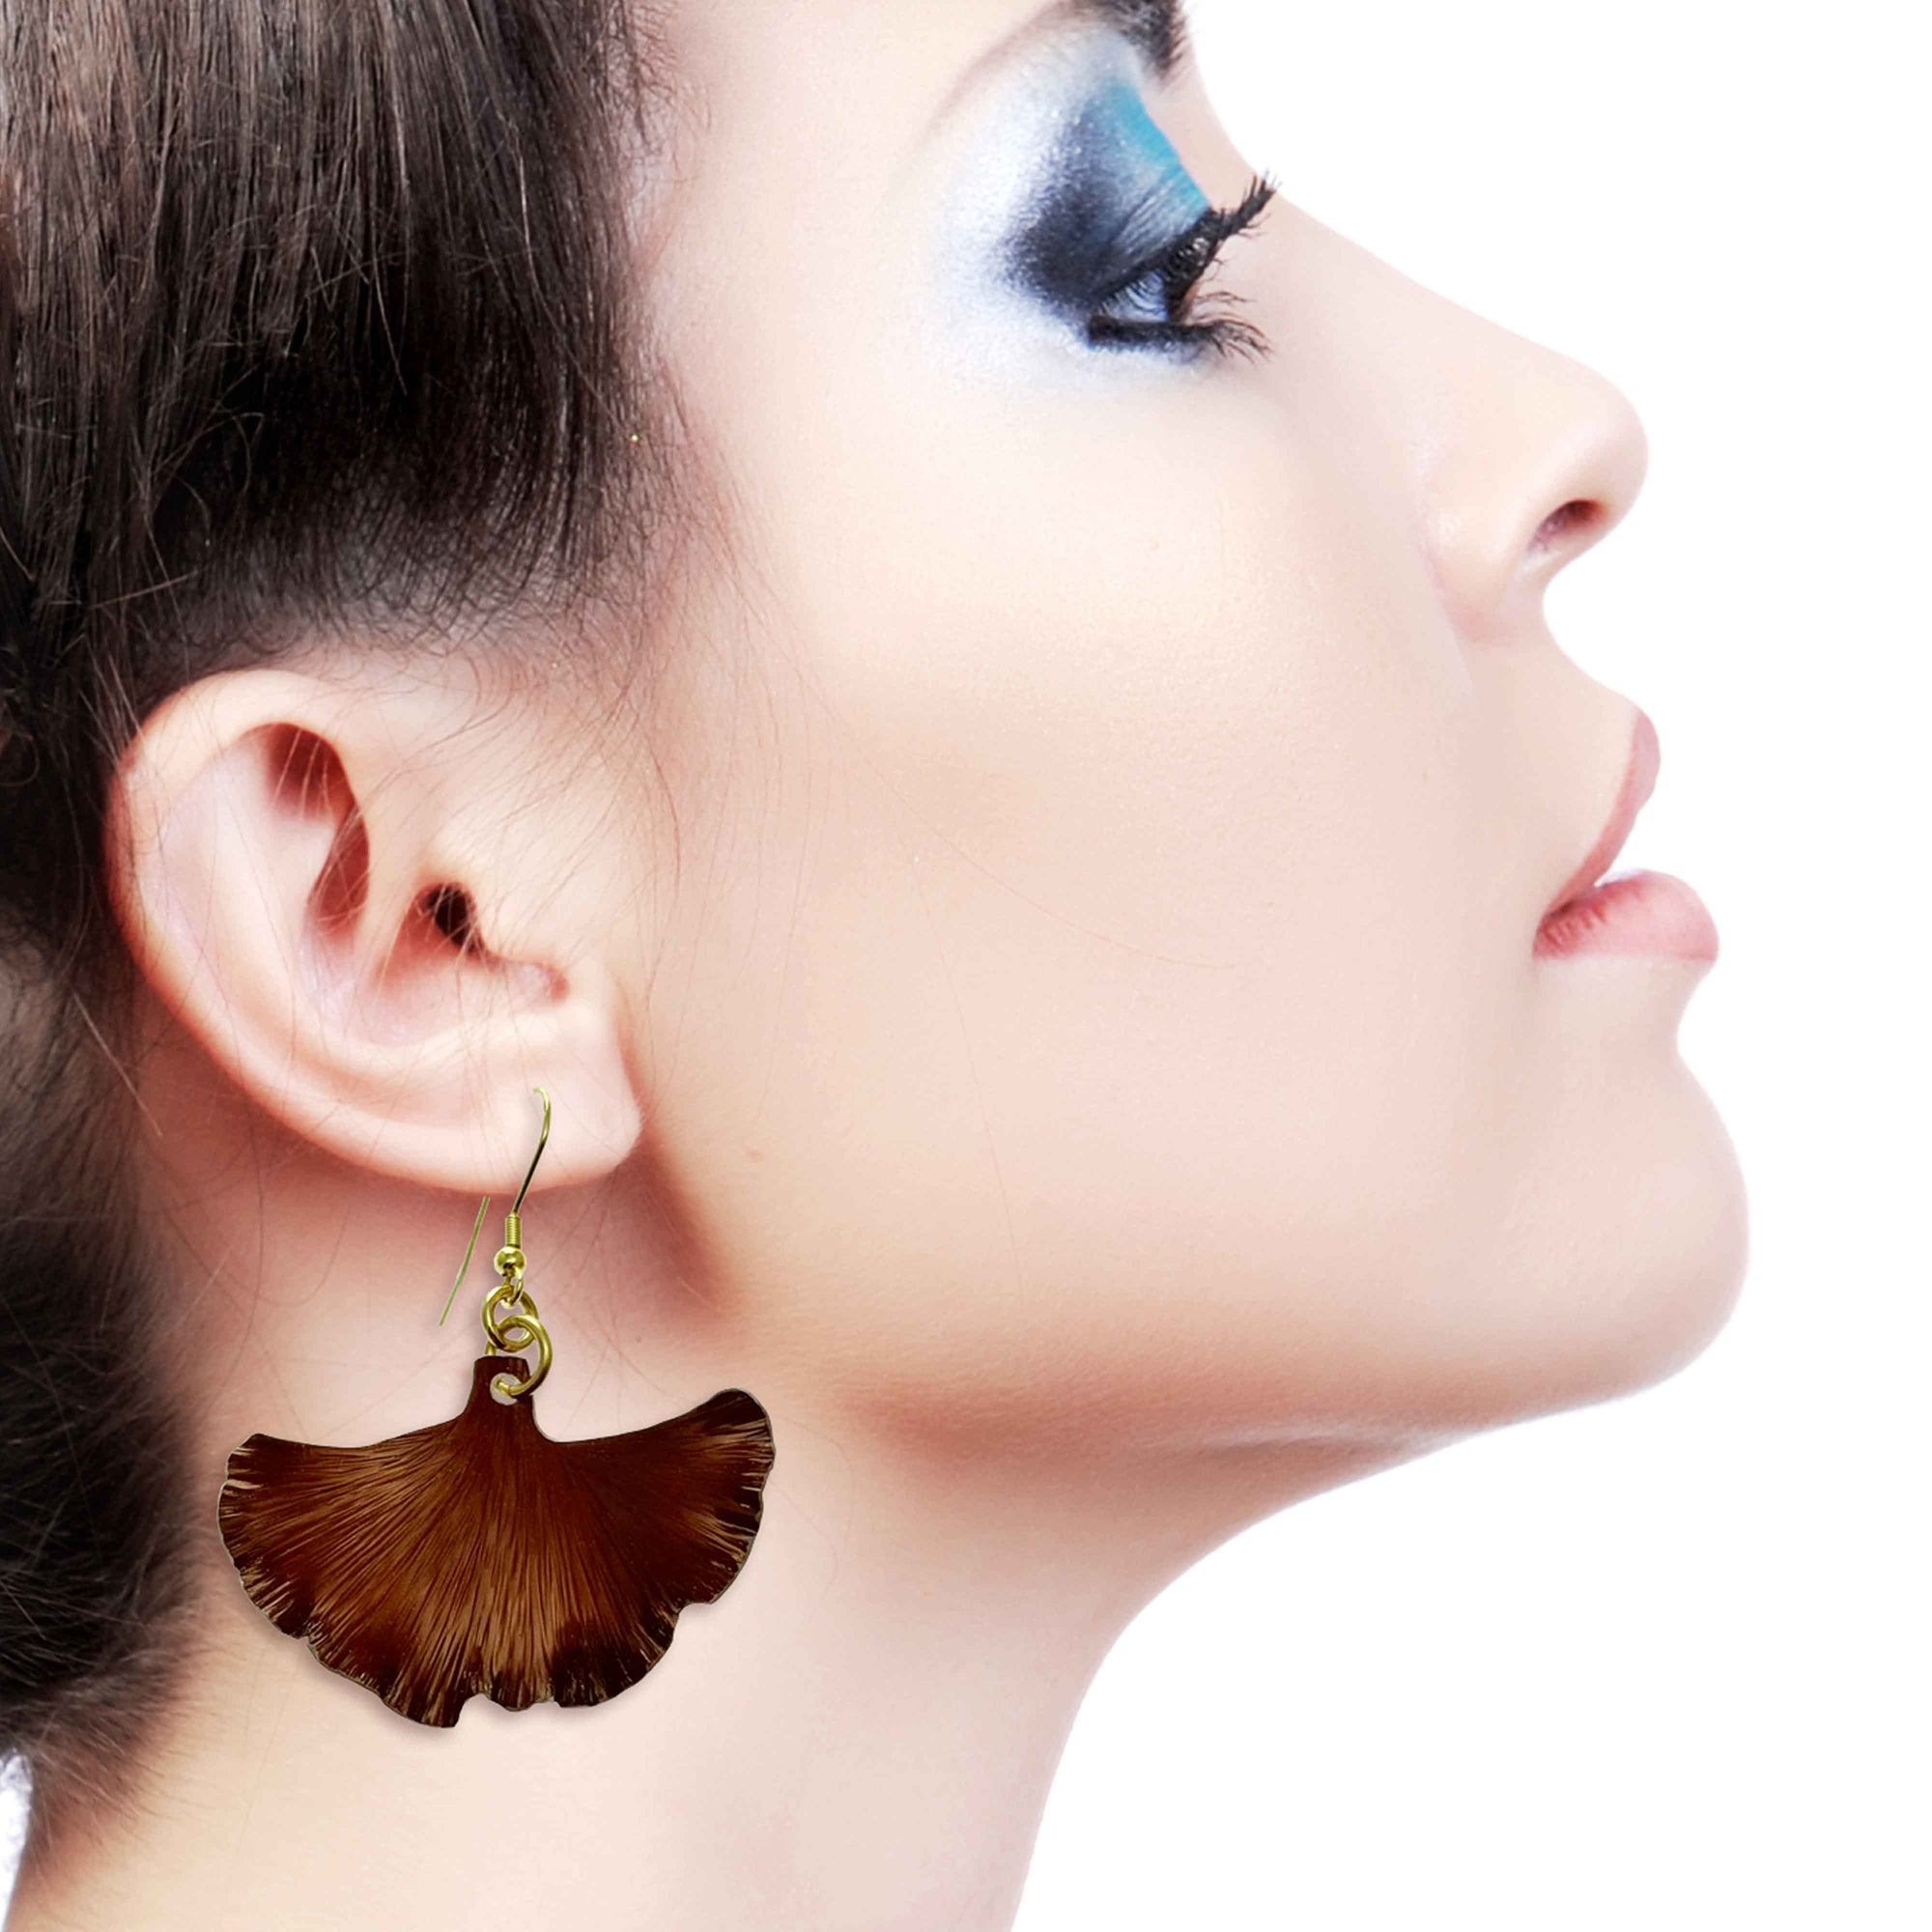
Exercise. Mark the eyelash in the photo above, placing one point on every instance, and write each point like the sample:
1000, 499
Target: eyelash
1181, 266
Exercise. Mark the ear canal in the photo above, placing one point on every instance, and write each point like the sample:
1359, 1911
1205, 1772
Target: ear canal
477, 1555
453, 913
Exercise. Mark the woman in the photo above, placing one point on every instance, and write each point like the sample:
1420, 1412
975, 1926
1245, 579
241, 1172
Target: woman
965, 688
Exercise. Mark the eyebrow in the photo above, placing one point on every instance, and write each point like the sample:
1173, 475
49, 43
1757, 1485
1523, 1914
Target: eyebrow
1155, 29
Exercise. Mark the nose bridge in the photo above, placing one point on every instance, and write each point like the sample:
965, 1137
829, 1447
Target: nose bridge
1513, 458
1532, 459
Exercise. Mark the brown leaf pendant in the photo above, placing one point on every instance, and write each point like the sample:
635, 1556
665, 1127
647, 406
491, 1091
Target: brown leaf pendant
478, 1555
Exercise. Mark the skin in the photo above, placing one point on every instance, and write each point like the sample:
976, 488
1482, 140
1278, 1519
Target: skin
1036, 984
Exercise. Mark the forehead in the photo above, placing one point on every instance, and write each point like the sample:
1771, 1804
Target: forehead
881, 69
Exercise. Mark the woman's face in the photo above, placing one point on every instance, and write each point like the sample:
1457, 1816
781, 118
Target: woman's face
1119, 772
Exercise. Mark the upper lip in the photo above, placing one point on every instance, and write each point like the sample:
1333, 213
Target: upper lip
1639, 781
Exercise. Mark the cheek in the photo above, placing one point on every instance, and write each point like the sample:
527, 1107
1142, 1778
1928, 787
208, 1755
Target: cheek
1133, 985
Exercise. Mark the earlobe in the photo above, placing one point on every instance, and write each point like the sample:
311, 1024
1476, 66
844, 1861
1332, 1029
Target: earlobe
305, 871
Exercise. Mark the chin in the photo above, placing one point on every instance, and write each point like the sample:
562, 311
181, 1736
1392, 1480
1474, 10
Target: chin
1651, 1291
1615, 1269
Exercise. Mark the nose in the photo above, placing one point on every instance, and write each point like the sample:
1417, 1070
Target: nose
1534, 459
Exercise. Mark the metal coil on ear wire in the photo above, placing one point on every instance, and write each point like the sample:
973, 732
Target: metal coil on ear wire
511, 1321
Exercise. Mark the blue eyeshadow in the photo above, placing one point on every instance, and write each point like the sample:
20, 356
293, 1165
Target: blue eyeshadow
1112, 195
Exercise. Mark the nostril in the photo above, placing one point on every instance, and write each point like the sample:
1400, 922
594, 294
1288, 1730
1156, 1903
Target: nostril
1580, 517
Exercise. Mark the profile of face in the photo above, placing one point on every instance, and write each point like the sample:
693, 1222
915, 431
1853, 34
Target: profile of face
1130, 765
1071, 935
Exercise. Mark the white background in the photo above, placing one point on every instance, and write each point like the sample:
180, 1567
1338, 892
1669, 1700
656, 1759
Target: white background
1659, 1664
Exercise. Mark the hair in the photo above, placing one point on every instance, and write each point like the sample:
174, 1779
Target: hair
313, 313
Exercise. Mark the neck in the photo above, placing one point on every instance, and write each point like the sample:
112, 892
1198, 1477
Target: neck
858, 1734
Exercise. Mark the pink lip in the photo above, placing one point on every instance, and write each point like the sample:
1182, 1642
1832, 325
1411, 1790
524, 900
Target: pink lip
1639, 912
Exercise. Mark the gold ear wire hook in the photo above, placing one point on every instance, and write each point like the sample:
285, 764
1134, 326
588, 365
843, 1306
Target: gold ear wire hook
513, 1225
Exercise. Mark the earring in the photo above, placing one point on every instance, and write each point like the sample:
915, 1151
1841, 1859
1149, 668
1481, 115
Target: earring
477, 1555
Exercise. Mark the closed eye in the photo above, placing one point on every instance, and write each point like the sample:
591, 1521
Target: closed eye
1159, 301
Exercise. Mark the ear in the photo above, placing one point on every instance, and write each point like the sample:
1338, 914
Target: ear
340, 888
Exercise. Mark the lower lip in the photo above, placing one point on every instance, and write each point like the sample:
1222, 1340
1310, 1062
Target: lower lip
1642, 912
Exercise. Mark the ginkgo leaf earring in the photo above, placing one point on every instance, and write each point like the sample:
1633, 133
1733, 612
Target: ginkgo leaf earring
478, 1555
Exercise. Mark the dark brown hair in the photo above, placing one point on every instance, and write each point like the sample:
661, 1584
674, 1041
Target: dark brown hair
311, 312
